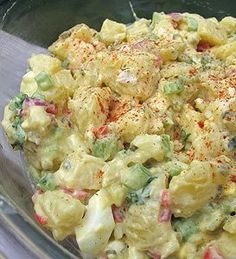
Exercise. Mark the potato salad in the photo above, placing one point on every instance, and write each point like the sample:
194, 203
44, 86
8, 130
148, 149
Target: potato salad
130, 135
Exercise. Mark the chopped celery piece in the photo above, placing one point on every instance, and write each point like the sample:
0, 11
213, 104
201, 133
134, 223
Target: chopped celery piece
226, 208
166, 145
156, 17
205, 61
47, 182
176, 170
213, 221
192, 24
65, 63
105, 148
37, 95
174, 87
58, 133
136, 177
140, 196
186, 227
44, 81
185, 58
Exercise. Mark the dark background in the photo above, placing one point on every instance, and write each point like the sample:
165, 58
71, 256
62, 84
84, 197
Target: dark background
41, 21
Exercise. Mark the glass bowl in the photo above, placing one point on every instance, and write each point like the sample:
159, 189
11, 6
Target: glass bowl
28, 27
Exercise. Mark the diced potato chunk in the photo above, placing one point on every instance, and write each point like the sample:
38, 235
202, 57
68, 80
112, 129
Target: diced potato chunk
28, 85
42, 62
60, 212
112, 32
225, 51
37, 119
211, 32
229, 23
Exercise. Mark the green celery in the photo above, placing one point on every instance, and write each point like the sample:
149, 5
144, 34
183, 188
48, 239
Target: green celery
166, 145
192, 24
105, 148
174, 87
136, 177
43, 81
186, 227
47, 182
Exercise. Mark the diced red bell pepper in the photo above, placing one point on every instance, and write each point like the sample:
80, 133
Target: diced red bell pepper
201, 124
81, 194
40, 219
165, 215
154, 255
103, 256
212, 253
34, 102
165, 198
101, 131
158, 61
67, 111
203, 46
232, 178
117, 214
52, 109
67, 191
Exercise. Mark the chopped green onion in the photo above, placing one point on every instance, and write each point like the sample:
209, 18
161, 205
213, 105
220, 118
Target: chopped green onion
192, 24
184, 138
133, 197
15, 106
105, 148
166, 145
167, 123
232, 144
44, 81
47, 182
174, 87
16, 122
140, 196
186, 227
17, 101
19, 133
136, 177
